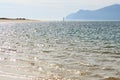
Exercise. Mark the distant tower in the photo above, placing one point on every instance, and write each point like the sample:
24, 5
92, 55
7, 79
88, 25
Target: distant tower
63, 19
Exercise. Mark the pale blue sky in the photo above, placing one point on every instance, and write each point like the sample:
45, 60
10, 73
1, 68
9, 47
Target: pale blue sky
48, 9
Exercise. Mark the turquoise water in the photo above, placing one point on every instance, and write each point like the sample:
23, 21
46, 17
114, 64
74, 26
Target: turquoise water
59, 50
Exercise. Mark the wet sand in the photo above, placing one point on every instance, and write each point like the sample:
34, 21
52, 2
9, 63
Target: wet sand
112, 78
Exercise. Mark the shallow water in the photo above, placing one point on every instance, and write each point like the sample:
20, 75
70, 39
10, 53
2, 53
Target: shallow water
59, 50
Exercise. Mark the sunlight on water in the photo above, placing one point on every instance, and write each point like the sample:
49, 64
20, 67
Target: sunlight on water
60, 51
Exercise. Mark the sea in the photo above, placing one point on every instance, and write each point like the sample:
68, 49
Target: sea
60, 50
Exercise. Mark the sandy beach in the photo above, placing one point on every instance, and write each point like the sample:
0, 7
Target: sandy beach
18, 21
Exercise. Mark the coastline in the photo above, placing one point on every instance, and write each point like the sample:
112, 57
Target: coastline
2, 20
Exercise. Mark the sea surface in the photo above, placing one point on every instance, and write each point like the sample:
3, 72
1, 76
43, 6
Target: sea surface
60, 50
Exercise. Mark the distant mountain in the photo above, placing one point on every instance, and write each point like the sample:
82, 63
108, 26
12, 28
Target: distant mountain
107, 13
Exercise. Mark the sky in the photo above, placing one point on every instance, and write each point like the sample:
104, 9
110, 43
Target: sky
48, 9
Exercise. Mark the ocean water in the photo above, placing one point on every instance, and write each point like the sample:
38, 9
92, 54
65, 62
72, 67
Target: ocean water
59, 50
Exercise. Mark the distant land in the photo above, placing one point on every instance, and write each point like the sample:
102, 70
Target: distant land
107, 13
17, 20
12, 18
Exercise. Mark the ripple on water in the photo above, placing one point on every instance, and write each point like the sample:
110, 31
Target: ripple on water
60, 51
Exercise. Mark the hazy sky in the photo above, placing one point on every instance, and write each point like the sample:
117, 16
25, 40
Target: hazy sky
48, 9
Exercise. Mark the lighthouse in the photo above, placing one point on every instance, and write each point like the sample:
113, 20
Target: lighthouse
63, 19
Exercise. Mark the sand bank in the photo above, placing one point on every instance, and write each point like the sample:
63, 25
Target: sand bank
1, 20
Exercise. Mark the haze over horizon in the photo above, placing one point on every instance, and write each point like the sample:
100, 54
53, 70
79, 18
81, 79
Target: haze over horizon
48, 10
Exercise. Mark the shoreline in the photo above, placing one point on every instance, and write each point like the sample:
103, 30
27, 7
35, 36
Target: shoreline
14, 20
